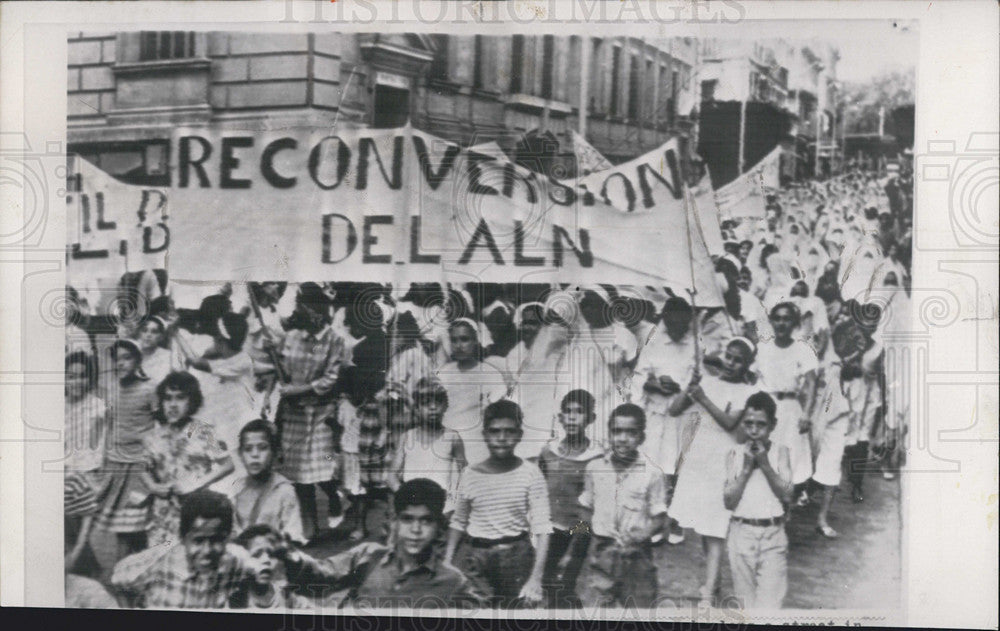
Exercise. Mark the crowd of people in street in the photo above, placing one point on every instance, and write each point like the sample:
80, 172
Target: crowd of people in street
530, 444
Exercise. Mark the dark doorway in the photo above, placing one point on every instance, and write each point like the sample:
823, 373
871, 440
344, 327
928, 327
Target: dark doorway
392, 107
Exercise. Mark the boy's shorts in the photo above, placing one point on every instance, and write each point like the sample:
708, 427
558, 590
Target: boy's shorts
617, 576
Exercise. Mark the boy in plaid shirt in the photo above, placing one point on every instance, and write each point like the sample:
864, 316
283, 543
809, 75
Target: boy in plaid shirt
204, 570
626, 493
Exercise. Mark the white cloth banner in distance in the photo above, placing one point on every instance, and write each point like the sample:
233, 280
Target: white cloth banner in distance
112, 227
746, 196
588, 158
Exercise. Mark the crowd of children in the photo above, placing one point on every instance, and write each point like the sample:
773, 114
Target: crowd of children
530, 445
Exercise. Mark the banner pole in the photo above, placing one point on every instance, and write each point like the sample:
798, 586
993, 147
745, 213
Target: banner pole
692, 292
404, 220
272, 352
585, 49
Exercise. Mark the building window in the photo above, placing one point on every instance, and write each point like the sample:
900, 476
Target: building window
662, 96
477, 63
516, 63
633, 88
672, 108
161, 45
548, 64
391, 107
439, 65
142, 163
573, 77
596, 76
616, 59
650, 85
708, 90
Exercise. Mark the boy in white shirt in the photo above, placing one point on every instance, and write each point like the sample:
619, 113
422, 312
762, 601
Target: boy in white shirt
758, 487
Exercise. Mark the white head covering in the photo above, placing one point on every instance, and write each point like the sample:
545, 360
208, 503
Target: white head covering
221, 327
735, 260
813, 261
564, 305
482, 333
779, 267
497, 305
551, 341
601, 291
858, 278
388, 311
160, 321
470, 305
745, 342
780, 281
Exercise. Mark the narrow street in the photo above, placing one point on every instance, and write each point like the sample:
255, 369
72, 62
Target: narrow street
859, 570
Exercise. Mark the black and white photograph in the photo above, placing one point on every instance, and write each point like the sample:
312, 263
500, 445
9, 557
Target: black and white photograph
553, 322
520, 321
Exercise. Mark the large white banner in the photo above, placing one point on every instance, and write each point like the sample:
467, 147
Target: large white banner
588, 158
404, 206
746, 196
113, 228
652, 185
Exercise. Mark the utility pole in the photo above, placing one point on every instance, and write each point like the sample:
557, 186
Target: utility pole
742, 144
551, 79
642, 92
821, 94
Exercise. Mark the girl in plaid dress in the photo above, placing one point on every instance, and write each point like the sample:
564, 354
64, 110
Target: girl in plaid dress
379, 425
312, 355
359, 382
371, 474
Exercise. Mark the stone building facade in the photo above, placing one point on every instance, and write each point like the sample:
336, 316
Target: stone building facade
798, 77
127, 91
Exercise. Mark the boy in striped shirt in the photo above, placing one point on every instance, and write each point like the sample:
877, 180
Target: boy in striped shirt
500, 503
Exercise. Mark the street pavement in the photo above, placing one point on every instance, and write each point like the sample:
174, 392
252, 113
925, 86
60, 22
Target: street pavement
859, 570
